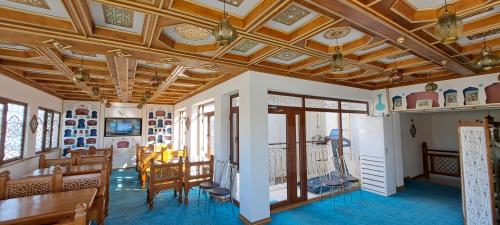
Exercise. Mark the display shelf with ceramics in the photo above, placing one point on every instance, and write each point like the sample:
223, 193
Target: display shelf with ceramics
80, 129
159, 125
479, 92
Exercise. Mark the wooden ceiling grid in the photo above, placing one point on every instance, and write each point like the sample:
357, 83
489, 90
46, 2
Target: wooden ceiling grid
124, 44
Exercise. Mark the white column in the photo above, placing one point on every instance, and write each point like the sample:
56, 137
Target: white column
221, 138
254, 155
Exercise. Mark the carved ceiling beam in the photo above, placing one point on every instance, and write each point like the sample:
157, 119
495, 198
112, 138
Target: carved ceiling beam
168, 82
57, 61
367, 18
122, 70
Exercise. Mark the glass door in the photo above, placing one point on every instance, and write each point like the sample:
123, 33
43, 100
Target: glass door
287, 173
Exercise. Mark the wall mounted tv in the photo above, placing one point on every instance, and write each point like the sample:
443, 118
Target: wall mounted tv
123, 127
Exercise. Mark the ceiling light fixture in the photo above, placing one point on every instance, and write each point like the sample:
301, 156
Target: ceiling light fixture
338, 58
449, 25
396, 74
224, 33
81, 74
96, 91
431, 86
147, 94
488, 59
156, 81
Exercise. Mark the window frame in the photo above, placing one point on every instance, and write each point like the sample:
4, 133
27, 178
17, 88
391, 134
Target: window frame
45, 122
5, 102
182, 129
201, 132
234, 154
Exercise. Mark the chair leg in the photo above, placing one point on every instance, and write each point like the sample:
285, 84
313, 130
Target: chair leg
343, 193
333, 196
360, 192
199, 195
321, 192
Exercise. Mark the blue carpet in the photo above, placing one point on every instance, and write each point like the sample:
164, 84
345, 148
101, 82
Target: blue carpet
421, 203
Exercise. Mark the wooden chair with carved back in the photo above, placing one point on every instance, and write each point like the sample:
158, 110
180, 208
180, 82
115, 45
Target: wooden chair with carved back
146, 157
98, 209
29, 186
80, 217
196, 173
164, 176
106, 165
43, 162
138, 150
92, 152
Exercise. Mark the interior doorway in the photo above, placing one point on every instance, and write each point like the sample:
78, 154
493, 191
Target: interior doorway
287, 149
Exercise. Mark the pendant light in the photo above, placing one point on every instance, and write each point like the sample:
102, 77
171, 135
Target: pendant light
224, 33
338, 58
449, 25
96, 91
156, 81
488, 59
81, 74
431, 86
147, 94
396, 74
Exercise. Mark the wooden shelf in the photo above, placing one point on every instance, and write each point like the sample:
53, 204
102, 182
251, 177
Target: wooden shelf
453, 108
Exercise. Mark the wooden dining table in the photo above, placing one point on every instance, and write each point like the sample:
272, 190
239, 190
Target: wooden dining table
69, 170
47, 208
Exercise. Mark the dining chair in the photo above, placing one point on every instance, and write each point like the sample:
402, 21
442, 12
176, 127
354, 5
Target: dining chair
329, 180
220, 167
348, 179
224, 193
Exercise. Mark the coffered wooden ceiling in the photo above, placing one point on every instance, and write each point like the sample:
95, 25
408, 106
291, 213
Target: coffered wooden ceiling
124, 44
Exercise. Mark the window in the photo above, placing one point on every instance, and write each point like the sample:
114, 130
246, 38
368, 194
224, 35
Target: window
47, 132
12, 125
206, 130
234, 154
182, 129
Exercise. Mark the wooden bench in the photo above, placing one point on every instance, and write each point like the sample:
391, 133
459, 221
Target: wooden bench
145, 159
98, 210
29, 186
43, 162
56, 182
196, 173
164, 176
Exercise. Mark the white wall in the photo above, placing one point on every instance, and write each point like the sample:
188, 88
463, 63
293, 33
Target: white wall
34, 98
438, 129
254, 156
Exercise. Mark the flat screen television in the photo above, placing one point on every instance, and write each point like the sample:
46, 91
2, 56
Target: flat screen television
123, 127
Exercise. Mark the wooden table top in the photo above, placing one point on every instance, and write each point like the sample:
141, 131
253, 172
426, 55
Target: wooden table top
70, 170
44, 208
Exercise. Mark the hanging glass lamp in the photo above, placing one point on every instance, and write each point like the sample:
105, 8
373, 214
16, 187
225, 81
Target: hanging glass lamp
338, 58
397, 74
449, 25
488, 59
81, 74
96, 91
224, 33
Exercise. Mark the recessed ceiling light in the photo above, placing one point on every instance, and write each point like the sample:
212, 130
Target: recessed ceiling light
400, 40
